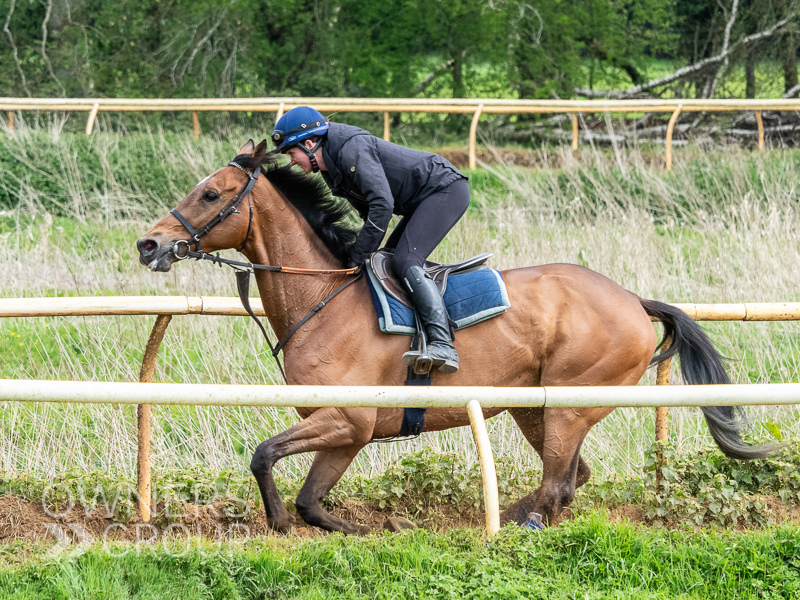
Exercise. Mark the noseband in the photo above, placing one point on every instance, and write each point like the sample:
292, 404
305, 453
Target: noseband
229, 209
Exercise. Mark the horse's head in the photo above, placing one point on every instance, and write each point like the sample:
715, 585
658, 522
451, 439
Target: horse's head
216, 214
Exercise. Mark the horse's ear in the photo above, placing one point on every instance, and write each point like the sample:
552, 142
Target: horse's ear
247, 148
260, 151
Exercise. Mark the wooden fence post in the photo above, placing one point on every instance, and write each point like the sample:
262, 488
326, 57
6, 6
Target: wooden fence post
473, 135
760, 124
670, 127
279, 114
662, 418
92, 117
144, 413
386, 125
196, 125
11, 120
574, 118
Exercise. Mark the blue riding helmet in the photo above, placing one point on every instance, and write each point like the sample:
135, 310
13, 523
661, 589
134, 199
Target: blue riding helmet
297, 125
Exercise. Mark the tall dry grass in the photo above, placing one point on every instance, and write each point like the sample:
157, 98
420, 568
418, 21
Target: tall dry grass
722, 227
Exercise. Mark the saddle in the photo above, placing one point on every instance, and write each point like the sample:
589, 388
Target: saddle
381, 264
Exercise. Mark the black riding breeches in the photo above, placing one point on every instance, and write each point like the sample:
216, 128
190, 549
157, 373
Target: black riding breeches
417, 234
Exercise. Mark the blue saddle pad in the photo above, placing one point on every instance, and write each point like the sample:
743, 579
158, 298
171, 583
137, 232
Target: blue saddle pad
469, 297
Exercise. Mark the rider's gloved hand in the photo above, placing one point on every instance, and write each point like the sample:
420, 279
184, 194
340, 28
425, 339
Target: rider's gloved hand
351, 264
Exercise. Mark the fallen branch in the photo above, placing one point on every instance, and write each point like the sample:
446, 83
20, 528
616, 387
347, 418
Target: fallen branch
698, 66
792, 92
657, 134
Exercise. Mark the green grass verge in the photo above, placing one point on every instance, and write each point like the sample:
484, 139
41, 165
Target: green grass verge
588, 557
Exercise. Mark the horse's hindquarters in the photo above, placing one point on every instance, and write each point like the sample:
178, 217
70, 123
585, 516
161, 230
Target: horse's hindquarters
567, 325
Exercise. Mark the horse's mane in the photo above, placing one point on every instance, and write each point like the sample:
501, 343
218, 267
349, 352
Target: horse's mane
310, 196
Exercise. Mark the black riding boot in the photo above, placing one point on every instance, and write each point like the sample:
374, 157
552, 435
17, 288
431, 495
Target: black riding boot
433, 314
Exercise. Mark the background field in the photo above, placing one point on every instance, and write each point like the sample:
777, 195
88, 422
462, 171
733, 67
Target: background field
722, 227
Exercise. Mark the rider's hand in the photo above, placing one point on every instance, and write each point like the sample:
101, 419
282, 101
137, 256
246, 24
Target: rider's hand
351, 264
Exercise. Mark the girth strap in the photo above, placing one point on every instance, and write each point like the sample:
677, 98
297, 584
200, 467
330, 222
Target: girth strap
413, 418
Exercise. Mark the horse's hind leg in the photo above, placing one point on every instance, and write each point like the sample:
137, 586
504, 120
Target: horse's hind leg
531, 423
327, 468
327, 429
565, 430
557, 435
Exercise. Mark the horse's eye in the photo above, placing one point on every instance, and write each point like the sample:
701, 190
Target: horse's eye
210, 196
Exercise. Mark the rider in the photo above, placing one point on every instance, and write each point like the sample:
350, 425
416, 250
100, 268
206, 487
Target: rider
380, 179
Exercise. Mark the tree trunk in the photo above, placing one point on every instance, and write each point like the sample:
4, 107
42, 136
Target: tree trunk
789, 60
458, 75
750, 75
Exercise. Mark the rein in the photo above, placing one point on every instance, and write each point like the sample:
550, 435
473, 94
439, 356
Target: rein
238, 264
181, 250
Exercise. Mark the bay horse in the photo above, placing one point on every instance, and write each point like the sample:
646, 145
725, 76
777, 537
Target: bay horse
567, 326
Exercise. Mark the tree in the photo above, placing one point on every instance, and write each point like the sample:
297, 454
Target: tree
605, 34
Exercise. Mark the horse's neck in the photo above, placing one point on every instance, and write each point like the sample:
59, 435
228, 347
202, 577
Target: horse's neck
282, 237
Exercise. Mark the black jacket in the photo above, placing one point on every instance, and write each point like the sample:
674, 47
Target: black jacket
380, 178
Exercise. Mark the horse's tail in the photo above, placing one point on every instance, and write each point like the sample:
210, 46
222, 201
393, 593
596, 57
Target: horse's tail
702, 364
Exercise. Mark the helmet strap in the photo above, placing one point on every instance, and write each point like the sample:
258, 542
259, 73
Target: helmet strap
311, 157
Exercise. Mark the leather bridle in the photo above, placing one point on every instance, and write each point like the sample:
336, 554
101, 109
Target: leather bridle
229, 209
245, 269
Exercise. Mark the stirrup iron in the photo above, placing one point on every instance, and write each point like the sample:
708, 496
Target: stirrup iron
417, 357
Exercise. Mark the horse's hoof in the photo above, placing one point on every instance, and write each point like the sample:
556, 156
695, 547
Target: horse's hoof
363, 530
397, 524
282, 525
534, 521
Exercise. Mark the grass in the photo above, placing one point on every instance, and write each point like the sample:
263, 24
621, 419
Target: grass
722, 227
588, 557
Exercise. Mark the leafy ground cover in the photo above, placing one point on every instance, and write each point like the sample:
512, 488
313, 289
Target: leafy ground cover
678, 546
436, 491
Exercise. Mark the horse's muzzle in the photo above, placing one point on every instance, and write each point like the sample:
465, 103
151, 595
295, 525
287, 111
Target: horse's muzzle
154, 255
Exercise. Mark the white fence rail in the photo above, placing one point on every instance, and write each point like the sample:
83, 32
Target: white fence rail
190, 394
474, 106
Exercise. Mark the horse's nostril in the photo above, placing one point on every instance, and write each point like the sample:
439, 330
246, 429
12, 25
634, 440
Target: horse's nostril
146, 245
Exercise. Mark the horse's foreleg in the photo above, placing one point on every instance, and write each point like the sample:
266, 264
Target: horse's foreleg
278, 518
324, 430
327, 468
